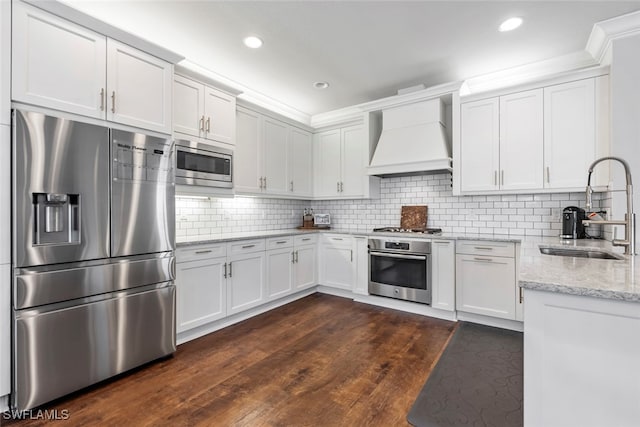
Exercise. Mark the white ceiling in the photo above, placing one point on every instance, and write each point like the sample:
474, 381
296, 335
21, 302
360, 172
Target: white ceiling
366, 50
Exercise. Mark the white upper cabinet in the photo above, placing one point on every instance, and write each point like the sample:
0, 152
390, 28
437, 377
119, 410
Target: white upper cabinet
58, 64
203, 112
521, 140
480, 160
271, 157
300, 163
569, 133
540, 140
219, 116
139, 88
328, 163
353, 161
247, 160
275, 152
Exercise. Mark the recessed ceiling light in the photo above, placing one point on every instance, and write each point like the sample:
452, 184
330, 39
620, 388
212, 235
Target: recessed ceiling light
510, 24
321, 85
253, 42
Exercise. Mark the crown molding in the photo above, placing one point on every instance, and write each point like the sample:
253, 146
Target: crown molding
438, 91
195, 72
335, 117
604, 32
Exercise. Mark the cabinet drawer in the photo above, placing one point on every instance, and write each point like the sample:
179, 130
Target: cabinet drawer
337, 240
246, 246
478, 247
305, 239
200, 252
280, 242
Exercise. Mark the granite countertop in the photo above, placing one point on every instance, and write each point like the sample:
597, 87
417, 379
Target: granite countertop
600, 278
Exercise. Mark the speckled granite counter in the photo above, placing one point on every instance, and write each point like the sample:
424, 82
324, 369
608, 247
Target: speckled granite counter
600, 278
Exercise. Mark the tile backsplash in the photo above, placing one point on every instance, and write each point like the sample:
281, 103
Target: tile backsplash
522, 214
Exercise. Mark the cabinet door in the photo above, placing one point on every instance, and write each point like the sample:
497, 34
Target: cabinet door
247, 158
486, 285
220, 116
57, 64
480, 145
139, 88
279, 273
5, 63
5, 197
200, 292
245, 281
569, 133
275, 156
353, 161
337, 265
5, 330
188, 102
521, 141
327, 162
300, 163
305, 267
443, 267
361, 282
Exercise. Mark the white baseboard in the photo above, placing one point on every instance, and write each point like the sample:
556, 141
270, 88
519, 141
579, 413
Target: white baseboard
203, 330
513, 325
335, 291
410, 307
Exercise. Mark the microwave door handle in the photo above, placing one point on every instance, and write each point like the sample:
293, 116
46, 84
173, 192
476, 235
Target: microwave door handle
402, 256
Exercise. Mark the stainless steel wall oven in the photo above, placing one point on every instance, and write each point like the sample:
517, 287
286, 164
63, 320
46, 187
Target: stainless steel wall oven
401, 269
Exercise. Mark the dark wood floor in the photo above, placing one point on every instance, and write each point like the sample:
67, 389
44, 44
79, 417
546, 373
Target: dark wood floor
320, 361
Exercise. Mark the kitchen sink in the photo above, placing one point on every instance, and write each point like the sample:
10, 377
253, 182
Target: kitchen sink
580, 253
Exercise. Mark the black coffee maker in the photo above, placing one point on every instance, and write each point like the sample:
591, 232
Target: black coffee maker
572, 227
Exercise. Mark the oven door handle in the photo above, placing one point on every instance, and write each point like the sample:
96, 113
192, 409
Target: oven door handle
403, 256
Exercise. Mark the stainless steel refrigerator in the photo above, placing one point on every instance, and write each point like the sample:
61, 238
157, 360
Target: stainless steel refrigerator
93, 261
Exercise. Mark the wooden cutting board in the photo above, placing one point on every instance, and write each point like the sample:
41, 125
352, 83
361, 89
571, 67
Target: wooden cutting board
413, 217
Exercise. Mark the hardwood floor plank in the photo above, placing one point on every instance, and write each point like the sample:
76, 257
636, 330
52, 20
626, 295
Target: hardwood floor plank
319, 361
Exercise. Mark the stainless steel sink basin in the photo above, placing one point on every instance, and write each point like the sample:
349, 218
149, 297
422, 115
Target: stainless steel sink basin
580, 253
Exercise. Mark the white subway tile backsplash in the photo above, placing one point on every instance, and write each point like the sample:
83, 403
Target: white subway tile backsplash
530, 214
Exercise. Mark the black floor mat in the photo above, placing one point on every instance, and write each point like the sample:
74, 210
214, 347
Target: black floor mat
477, 381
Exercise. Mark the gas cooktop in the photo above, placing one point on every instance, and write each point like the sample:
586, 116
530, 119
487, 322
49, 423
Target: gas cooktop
408, 230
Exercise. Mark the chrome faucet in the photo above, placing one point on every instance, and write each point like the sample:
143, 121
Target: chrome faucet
629, 221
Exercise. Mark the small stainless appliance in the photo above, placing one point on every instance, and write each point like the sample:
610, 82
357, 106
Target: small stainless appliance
400, 268
203, 164
572, 226
93, 262
408, 230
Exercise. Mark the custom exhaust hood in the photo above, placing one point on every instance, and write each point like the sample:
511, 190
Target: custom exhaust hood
413, 141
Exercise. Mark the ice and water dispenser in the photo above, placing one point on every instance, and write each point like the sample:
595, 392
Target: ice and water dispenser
56, 219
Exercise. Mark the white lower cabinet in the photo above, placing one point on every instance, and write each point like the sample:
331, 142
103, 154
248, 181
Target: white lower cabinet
486, 279
305, 268
280, 264
443, 270
246, 284
337, 266
361, 282
200, 292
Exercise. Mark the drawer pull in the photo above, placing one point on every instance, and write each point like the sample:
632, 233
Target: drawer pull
248, 246
281, 242
204, 252
306, 239
337, 238
483, 248
483, 259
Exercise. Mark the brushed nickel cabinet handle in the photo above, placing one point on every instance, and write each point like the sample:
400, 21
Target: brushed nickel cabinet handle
304, 240
265, 182
296, 257
495, 177
204, 252
291, 185
502, 177
351, 255
225, 270
208, 124
113, 101
338, 187
483, 248
230, 270
293, 257
521, 295
548, 175
202, 123
483, 259
102, 99
337, 238
281, 242
248, 246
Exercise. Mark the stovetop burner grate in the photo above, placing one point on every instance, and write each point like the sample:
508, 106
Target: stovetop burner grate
404, 230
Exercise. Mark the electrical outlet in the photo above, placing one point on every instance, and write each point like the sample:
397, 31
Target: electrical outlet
227, 214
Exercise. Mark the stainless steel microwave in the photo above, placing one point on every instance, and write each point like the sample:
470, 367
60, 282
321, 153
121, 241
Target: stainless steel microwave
203, 164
